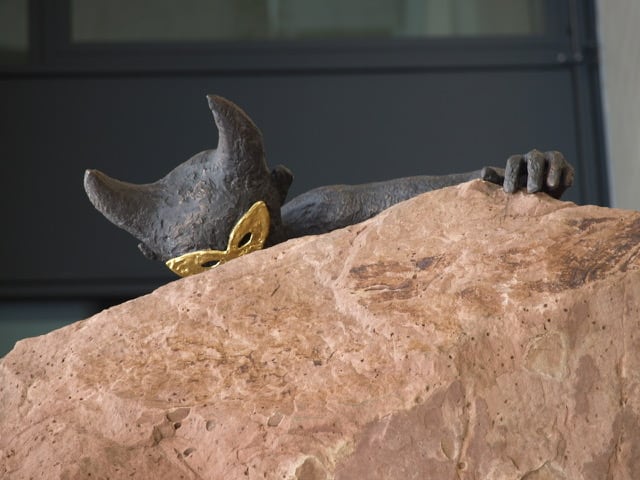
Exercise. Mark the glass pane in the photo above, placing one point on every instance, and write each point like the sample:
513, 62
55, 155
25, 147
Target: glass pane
14, 30
210, 20
474, 17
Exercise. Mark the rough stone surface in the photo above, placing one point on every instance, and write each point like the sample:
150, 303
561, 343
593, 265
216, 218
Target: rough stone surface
462, 334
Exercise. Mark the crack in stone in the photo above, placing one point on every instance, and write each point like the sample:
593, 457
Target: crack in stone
469, 408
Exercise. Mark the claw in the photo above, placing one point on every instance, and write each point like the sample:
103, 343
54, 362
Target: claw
560, 175
556, 164
512, 174
541, 172
535, 171
493, 175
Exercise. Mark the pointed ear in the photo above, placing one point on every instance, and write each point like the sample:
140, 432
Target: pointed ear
126, 205
147, 252
240, 143
282, 179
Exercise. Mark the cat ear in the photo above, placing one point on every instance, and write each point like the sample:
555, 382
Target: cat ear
130, 207
240, 145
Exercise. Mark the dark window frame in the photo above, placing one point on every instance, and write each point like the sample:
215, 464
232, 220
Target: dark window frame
52, 50
569, 43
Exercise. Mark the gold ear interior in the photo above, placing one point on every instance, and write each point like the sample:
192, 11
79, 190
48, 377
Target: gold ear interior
248, 235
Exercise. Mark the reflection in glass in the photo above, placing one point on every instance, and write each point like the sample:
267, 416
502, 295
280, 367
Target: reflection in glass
211, 20
14, 30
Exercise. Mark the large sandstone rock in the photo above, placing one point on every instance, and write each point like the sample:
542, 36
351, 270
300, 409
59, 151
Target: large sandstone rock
463, 334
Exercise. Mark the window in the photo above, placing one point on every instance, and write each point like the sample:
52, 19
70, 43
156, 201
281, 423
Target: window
14, 32
130, 21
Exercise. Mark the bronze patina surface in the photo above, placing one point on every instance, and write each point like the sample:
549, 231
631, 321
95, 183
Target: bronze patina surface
189, 219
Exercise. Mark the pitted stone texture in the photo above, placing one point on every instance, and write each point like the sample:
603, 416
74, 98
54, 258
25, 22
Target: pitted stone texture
462, 334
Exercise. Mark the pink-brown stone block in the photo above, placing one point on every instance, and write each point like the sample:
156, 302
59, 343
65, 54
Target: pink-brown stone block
463, 334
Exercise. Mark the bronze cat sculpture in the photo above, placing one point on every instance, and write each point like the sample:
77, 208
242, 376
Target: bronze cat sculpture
225, 202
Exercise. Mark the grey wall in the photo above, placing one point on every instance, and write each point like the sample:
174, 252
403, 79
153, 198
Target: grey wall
619, 35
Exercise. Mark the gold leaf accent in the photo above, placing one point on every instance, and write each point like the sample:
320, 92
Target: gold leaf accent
248, 235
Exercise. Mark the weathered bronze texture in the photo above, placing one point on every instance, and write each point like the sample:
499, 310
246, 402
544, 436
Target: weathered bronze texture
196, 205
189, 218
